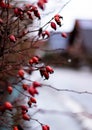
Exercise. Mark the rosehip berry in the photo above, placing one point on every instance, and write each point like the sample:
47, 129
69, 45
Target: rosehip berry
28, 6
53, 25
49, 69
45, 1
25, 86
48, 128
30, 61
46, 75
9, 89
33, 100
15, 128
64, 35
8, 106
40, 4
29, 103
24, 108
26, 117
12, 38
21, 73
36, 84
32, 91
35, 59
45, 33
45, 127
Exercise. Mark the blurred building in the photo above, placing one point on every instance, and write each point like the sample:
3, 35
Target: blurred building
80, 41
77, 46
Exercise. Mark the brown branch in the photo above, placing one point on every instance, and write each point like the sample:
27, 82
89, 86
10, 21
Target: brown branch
68, 90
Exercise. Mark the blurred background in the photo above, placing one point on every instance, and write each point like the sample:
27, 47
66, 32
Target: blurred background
71, 59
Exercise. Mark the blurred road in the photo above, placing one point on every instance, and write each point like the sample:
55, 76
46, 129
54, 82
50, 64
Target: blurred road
63, 109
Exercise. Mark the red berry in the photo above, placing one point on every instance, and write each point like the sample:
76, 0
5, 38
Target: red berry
57, 19
25, 86
45, 33
48, 128
28, 6
46, 74
45, 1
64, 35
30, 61
26, 117
9, 89
40, 4
57, 15
21, 73
45, 127
24, 108
2, 4
49, 69
36, 84
35, 59
32, 91
33, 100
12, 38
8, 106
29, 103
15, 128
37, 14
53, 25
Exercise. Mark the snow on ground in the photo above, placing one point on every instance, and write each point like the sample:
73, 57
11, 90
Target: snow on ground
66, 110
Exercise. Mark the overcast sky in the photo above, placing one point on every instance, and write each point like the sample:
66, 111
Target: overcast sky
75, 9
